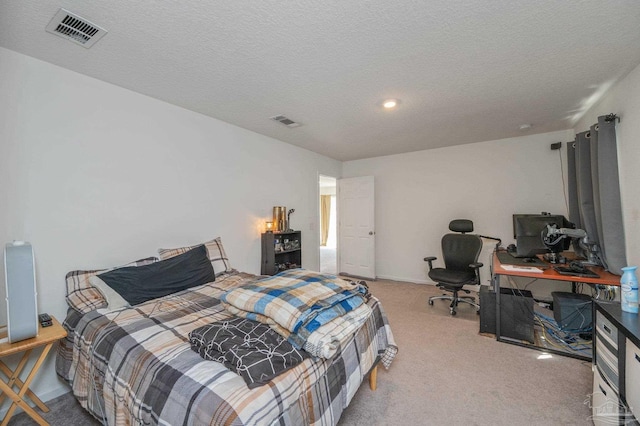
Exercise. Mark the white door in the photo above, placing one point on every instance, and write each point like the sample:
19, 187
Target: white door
356, 230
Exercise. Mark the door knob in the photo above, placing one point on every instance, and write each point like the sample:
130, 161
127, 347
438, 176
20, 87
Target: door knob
371, 232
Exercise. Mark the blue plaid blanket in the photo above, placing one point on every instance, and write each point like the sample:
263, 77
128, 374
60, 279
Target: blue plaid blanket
295, 302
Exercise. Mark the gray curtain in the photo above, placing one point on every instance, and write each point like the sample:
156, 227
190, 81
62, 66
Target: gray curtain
574, 208
594, 191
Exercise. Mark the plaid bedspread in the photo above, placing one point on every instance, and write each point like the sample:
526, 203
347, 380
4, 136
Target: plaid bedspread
135, 366
297, 302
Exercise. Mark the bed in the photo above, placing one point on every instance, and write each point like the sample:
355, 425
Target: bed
135, 365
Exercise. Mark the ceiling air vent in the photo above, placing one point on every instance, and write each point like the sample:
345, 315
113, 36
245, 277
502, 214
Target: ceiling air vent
286, 121
75, 28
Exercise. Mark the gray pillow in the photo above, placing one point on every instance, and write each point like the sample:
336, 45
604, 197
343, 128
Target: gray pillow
114, 300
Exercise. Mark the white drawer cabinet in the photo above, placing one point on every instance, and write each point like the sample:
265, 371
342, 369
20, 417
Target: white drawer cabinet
605, 403
632, 377
606, 353
616, 365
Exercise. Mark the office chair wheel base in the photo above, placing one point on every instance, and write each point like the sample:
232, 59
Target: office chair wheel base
431, 302
453, 312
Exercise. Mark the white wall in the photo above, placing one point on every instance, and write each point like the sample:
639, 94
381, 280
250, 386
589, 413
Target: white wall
419, 193
94, 175
624, 99
327, 190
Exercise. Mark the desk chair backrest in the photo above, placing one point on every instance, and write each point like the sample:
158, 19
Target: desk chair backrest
459, 250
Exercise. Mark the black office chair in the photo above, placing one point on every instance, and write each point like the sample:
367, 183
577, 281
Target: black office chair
460, 252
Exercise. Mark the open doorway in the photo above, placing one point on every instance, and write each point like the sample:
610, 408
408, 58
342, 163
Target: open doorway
328, 224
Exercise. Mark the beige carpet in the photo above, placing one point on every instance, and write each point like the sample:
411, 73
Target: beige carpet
445, 373
328, 260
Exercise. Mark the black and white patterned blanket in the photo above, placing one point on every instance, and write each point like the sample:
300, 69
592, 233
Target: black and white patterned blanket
249, 348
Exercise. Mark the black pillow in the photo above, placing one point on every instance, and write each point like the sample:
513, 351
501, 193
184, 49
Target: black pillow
137, 284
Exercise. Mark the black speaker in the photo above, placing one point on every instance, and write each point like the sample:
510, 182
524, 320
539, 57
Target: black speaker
516, 313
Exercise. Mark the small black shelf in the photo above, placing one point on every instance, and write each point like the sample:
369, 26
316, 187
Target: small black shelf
274, 261
287, 251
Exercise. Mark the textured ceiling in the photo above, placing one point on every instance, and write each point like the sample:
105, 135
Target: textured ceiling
465, 71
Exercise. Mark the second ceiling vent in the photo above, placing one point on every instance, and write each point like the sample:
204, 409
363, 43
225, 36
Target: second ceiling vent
286, 121
75, 28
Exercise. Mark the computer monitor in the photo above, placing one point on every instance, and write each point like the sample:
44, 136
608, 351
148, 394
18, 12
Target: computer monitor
528, 228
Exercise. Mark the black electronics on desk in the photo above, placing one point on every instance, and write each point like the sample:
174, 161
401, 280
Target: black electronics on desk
528, 228
576, 269
507, 258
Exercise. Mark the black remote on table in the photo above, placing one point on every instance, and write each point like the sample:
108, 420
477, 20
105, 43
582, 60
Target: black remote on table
45, 320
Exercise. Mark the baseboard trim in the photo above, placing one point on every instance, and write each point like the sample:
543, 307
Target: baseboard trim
405, 279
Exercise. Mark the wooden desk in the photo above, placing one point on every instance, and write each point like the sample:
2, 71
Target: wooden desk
605, 278
47, 336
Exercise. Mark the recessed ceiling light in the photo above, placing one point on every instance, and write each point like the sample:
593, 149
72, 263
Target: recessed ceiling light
525, 126
390, 103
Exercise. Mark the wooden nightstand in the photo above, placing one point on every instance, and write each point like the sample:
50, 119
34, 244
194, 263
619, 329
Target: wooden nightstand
47, 336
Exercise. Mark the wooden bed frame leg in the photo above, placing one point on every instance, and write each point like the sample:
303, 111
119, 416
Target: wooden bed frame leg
373, 378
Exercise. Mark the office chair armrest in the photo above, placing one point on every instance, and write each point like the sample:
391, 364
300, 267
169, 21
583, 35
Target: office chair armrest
477, 265
430, 259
